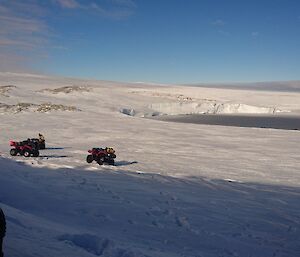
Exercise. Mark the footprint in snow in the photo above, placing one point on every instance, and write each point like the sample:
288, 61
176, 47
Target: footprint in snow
182, 222
97, 245
157, 224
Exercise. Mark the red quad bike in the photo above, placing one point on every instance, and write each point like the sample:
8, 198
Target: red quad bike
25, 148
101, 156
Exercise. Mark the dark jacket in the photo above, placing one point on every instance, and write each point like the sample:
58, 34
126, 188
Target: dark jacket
2, 230
2, 224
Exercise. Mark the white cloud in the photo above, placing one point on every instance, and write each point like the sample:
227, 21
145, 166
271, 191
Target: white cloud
21, 30
218, 22
224, 33
115, 9
23, 33
128, 3
69, 4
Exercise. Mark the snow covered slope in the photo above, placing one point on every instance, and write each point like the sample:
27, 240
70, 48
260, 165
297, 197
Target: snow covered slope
176, 190
109, 212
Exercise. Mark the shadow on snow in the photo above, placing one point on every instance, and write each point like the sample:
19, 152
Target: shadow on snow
124, 163
54, 156
180, 216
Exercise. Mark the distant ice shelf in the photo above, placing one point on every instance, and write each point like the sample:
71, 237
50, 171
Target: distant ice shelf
204, 107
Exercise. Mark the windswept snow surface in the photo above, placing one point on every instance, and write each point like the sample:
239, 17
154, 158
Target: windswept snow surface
176, 190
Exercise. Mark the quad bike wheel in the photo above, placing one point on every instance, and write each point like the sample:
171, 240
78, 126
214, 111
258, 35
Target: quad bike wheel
35, 153
111, 162
13, 152
26, 153
100, 161
89, 159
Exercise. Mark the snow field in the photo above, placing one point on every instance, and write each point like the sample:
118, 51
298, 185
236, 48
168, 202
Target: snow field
176, 190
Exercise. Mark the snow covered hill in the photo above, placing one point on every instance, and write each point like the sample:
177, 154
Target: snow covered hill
176, 190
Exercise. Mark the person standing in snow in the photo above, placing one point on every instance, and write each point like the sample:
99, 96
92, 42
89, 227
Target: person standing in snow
2, 230
41, 138
42, 143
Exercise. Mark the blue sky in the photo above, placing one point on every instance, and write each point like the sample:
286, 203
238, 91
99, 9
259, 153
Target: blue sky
167, 41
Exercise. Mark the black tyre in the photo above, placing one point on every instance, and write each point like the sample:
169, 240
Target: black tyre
42, 146
26, 153
111, 162
89, 159
100, 161
13, 152
35, 153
